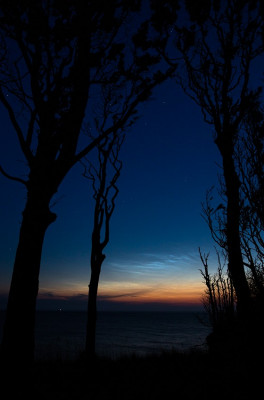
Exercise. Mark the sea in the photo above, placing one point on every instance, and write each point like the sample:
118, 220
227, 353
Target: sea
61, 334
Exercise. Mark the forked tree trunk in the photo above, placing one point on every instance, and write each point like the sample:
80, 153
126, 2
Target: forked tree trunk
18, 341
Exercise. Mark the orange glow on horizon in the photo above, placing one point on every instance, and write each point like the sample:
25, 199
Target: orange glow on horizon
131, 292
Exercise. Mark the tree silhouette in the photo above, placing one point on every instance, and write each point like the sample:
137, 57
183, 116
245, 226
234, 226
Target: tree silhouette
104, 178
59, 59
250, 156
249, 166
216, 47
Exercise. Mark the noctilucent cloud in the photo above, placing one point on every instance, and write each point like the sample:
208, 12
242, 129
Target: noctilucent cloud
152, 260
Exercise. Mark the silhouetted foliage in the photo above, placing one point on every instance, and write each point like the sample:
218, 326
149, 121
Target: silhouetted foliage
218, 70
216, 45
59, 60
249, 164
250, 157
219, 299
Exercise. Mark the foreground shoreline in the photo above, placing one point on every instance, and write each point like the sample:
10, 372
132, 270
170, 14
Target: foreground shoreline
176, 375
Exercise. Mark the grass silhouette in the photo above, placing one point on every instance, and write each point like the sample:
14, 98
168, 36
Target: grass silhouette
170, 375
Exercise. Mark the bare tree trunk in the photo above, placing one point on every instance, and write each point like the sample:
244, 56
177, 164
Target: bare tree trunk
92, 309
18, 334
235, 259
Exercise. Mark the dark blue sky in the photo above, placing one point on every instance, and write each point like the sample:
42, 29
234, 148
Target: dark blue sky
169, 161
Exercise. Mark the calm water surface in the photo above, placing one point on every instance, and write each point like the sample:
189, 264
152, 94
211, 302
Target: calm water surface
62, 334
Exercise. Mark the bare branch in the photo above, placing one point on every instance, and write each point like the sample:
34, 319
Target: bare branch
24, 146
120, 123
13, 178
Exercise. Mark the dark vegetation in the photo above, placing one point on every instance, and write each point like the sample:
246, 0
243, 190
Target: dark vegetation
169, 375
210, 52
216, 47
68, 66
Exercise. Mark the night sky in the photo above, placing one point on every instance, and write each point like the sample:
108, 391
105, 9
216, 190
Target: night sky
152, 260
